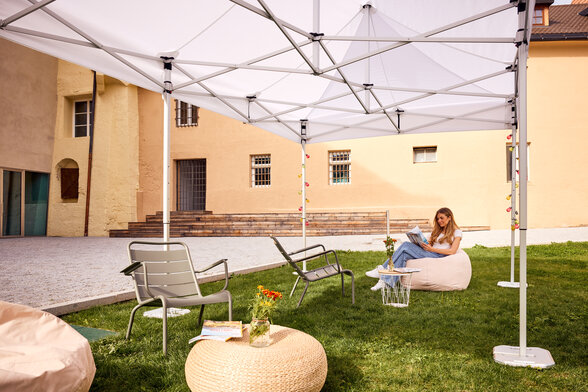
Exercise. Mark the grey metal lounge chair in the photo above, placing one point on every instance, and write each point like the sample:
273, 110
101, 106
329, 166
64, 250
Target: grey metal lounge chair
164, 275
326, 271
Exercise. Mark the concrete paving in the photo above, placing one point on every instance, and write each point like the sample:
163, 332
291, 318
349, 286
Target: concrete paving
62, 275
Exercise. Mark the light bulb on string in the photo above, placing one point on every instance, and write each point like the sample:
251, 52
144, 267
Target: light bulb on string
307, 156
509, 136
307, 223
307, 184
299, 192
510, 149
509, 209
508, 197
308, 201
516, 226
300, 208
299, 175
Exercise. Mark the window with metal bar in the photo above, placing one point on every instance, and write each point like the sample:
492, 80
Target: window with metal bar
81, 120
424, 154
191, 185
340, 167
186, 114
261, 170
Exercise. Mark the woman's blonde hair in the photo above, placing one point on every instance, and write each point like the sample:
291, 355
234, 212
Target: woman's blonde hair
449, 230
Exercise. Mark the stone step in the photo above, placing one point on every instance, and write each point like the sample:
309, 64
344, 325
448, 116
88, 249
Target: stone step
205, 223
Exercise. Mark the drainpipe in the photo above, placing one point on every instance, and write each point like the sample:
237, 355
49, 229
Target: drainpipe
92, 109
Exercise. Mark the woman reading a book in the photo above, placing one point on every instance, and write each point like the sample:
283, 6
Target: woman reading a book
445, 240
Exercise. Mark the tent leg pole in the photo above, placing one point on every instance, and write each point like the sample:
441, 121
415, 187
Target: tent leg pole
303, 144
167, 66
513, 211
509, 355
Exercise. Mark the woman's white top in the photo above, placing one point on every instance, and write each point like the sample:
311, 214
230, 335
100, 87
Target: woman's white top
445, 245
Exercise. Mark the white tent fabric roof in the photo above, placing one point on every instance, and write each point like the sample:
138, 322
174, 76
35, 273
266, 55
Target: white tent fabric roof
391, 67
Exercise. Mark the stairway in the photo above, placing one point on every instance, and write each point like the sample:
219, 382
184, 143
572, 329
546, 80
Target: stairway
206, 224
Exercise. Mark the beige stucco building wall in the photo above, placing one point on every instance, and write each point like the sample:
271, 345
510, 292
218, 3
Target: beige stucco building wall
558, 128
28, 81
469, 175
114, 179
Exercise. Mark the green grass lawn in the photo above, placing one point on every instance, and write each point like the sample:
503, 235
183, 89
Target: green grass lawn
441, 342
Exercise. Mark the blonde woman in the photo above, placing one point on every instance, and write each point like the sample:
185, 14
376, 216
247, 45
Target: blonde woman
445, 240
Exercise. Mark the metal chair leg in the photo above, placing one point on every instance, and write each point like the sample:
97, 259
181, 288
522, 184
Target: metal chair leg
303, 293
131, 321
352, 288
295, 284
230, 307
342, 286
164, 328
201, 313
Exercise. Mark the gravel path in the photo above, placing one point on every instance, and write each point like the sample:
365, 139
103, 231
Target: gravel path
43, 271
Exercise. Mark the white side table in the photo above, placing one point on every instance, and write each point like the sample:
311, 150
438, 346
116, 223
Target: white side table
397, 294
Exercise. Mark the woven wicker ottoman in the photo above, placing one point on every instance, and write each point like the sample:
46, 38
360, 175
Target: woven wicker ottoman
294, 361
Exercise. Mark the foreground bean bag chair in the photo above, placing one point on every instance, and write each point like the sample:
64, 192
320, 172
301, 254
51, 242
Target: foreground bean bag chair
448, 273
40, 352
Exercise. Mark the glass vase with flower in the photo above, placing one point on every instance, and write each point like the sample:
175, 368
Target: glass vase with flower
262, 307
390, 243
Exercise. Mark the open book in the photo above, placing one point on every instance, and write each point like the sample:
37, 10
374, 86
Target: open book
416, 236
219, 330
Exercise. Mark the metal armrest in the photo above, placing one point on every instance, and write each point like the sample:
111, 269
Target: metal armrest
325, 253
131, 267
307, 248
222, 261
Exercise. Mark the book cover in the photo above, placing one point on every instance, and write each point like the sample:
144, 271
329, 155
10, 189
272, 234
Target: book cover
416, 236
232, 329
219, 330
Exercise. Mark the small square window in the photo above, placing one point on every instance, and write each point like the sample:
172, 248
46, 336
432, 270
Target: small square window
424, 154
260, 170
340, 167
81, 120
538, 17
186, 114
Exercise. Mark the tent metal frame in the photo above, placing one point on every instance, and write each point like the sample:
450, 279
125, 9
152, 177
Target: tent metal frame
514, 356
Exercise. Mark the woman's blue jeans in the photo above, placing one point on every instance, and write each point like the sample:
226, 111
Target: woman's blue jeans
406, 251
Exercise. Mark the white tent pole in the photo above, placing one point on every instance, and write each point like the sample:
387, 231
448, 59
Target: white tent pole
523, 51
509, 355
513, 211
316, 25
167, 65
303, 184
368, 7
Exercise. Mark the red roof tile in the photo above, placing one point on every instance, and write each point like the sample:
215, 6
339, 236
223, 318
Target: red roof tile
565, 22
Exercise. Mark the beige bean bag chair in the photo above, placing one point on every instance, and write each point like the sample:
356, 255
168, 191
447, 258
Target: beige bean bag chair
40, 352
447, 273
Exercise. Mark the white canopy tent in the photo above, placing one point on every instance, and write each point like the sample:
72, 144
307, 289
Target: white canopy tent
308, 70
